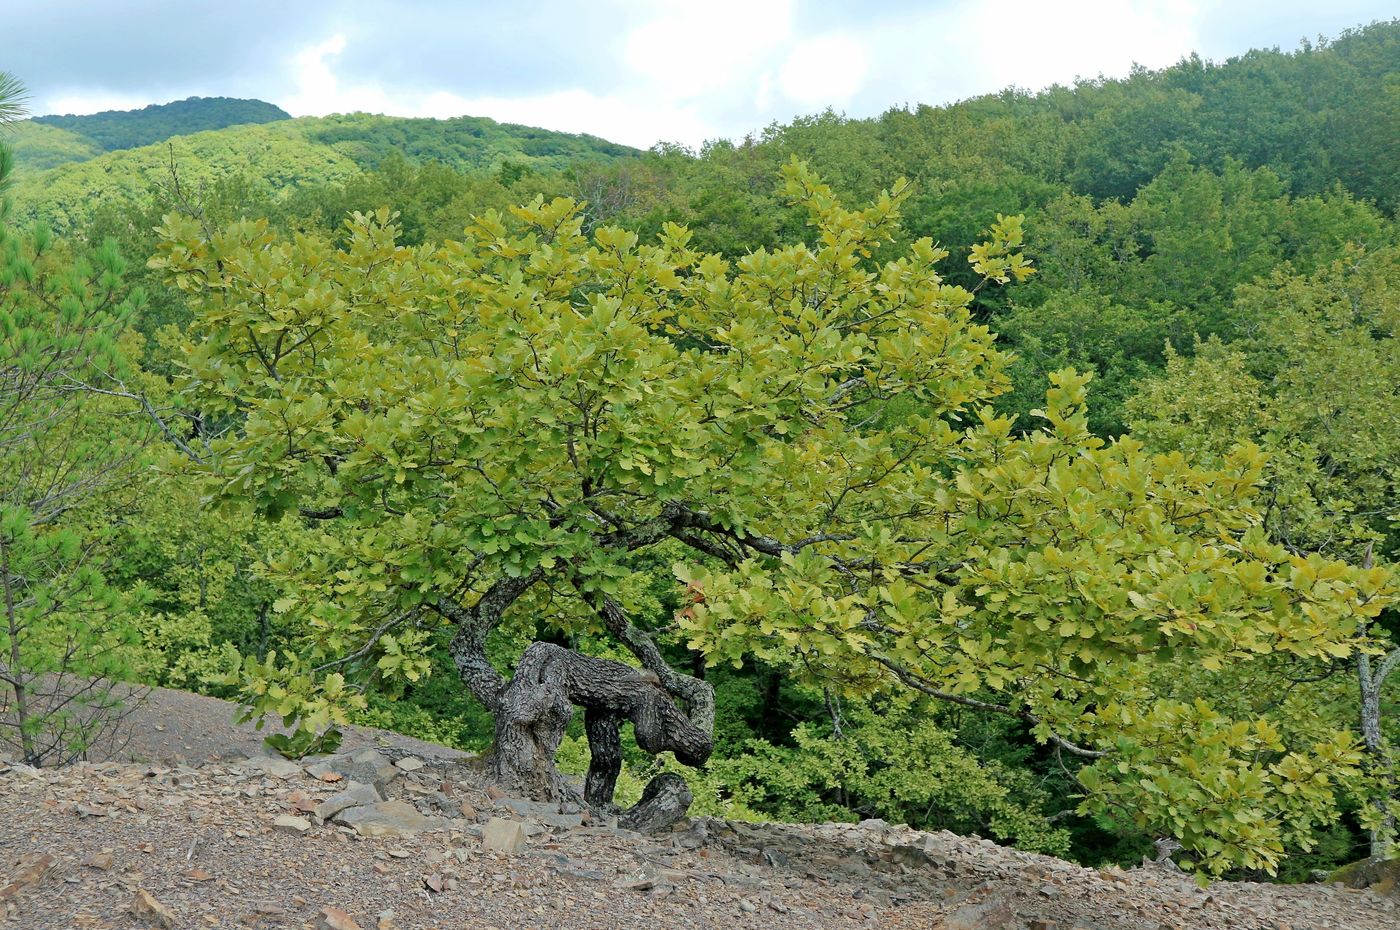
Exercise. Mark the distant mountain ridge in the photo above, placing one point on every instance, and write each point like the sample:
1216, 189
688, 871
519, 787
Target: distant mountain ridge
65, 173
112, 130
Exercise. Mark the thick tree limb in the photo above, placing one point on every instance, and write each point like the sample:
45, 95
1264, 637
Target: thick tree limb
699, 696
474, 625
1389, 664
686, 518
664, 801
605, 756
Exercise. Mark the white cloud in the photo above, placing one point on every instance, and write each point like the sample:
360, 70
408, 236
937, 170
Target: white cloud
698, 71
975, 48
82, 102
632, 119
1034, 44
640, 70
694, 48
637, 121
823, 72
318, 90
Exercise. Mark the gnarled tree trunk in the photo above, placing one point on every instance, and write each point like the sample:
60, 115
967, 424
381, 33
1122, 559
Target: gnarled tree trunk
537, 704
534, 708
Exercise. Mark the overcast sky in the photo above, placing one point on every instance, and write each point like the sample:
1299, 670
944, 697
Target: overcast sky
633, 71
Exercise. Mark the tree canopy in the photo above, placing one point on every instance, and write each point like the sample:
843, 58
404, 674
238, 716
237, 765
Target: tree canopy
1093, 558
506, 423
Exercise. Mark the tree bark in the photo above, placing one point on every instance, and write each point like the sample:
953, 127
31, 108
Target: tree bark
533, 712
535, 708
16, 678
666, 799
1372, 683
605, 756
474, 625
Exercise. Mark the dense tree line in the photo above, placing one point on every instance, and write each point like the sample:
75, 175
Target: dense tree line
111, 130
274, 159
1079, 537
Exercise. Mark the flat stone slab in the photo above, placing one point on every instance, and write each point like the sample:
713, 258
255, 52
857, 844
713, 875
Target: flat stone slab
366, 766
275, 766
354, 796
502, 836
388, 818
561, 821
286, 823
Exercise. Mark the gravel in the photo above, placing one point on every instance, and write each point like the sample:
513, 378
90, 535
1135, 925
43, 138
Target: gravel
192, 840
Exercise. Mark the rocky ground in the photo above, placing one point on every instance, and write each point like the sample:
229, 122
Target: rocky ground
387, 837
177, 727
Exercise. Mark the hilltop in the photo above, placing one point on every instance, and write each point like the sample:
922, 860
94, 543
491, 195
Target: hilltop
49, 141
70, 173
111, 130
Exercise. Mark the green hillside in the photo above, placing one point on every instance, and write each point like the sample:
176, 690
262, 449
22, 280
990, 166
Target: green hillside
280, 157
1148, 200
278, 154
1051, 496
38, 146
462, 142
111, 130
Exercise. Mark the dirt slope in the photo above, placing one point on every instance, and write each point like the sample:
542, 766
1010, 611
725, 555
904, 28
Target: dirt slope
125, 846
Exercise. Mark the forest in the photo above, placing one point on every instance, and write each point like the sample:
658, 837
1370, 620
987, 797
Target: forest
1027, 466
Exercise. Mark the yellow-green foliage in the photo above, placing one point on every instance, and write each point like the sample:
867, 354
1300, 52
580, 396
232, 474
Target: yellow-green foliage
38, 147
815, 425
278, 154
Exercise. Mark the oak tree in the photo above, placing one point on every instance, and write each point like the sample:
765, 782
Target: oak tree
501, 427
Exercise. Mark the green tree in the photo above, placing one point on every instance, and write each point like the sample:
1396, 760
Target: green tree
63, 629
12, 97
497, 428
1312, 381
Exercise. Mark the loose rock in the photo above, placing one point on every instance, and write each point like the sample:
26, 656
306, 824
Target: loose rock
333, 918
388, 818
101, 861
276, 767
502, 836
148, 908
355, 796
288, 823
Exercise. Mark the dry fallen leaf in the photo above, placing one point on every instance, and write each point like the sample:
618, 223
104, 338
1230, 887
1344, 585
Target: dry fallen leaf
301, 802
